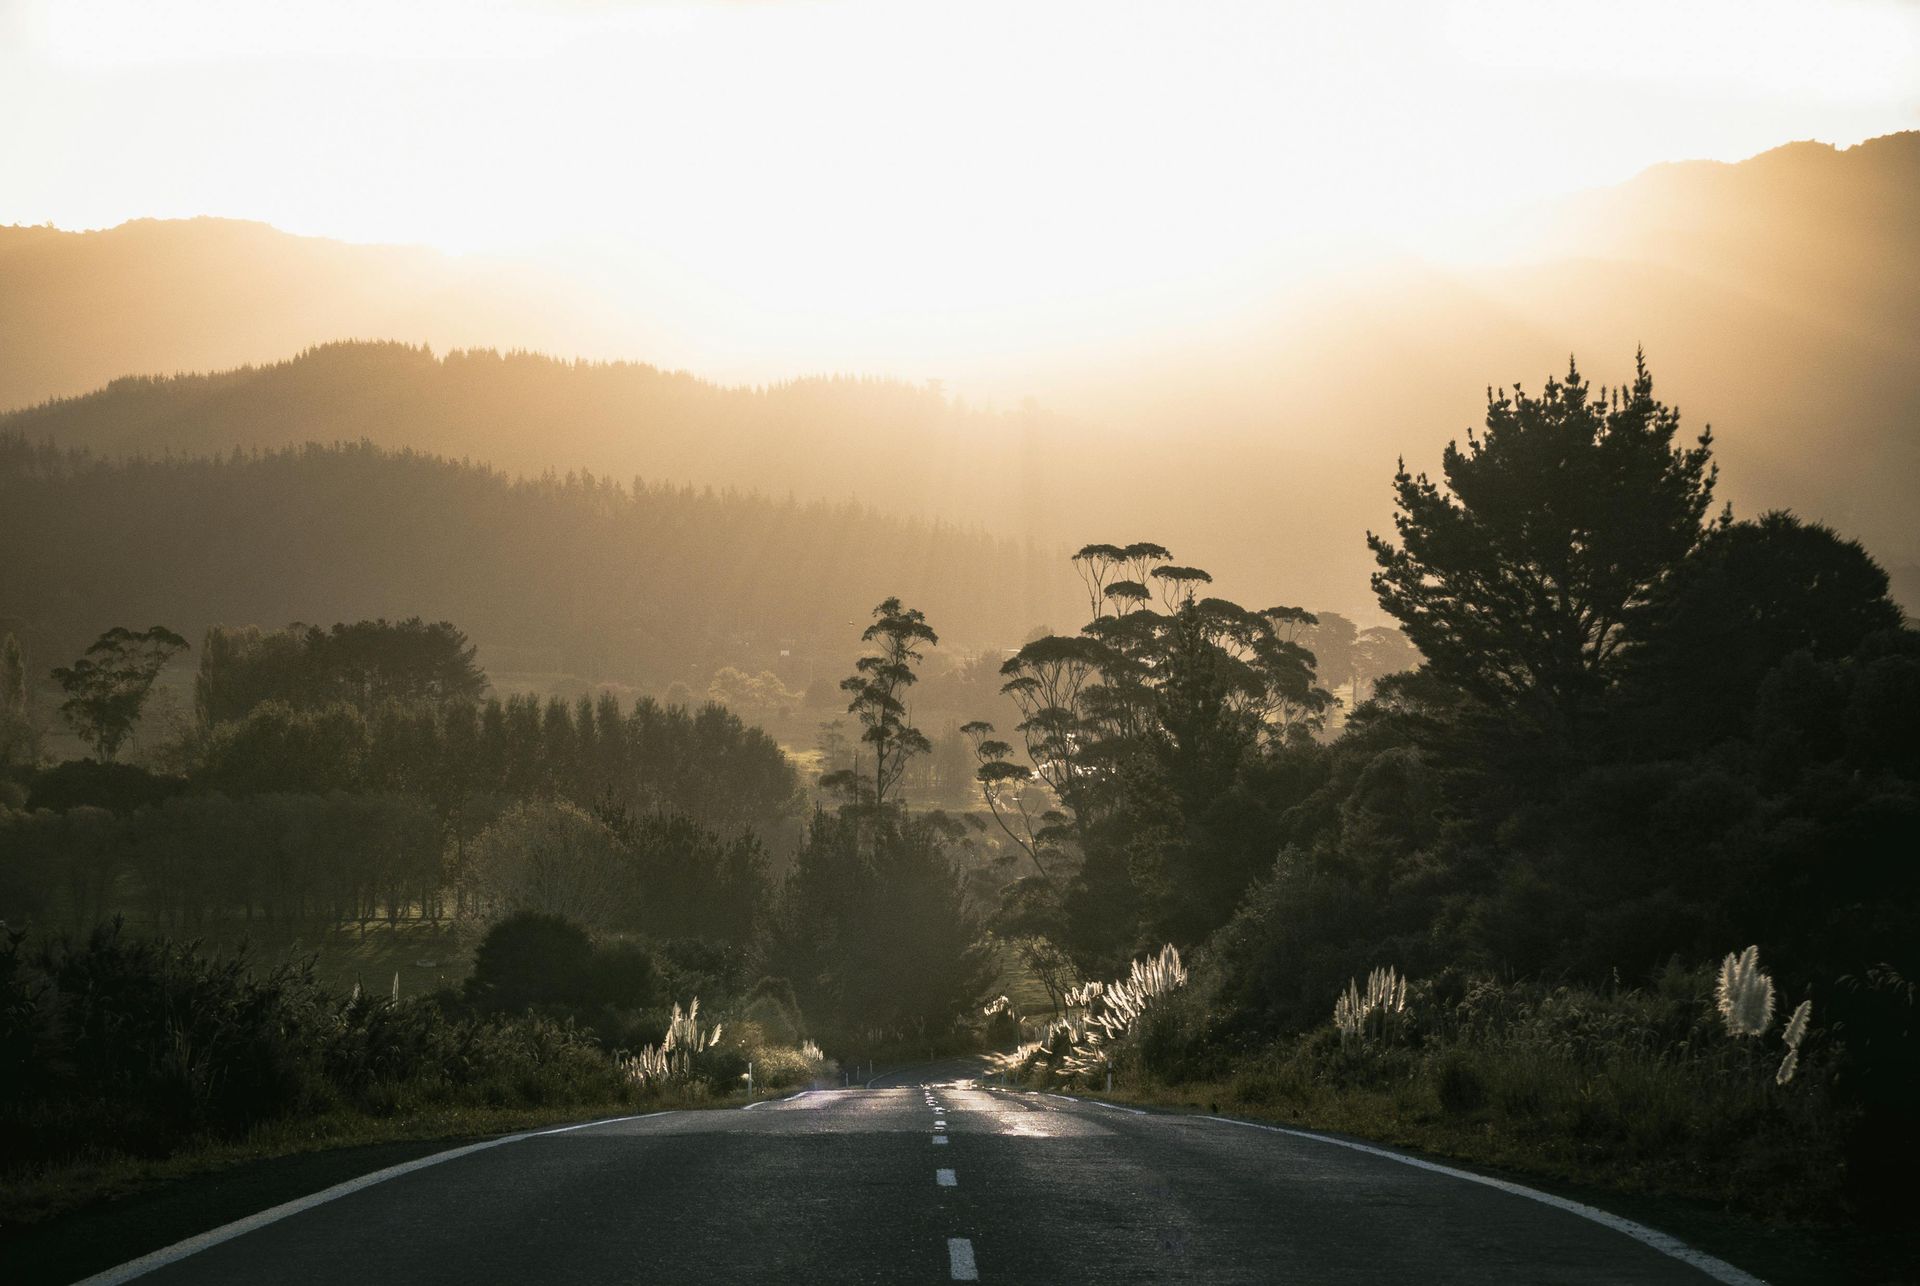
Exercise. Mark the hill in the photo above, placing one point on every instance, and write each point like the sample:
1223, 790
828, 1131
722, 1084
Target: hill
575, 575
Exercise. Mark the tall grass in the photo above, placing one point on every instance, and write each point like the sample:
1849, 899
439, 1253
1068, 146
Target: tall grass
1673, 1087
1099, 1017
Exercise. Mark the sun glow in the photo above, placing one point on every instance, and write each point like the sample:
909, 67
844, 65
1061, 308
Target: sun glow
863, 178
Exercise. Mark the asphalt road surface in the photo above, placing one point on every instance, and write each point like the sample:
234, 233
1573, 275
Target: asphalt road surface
925, 1176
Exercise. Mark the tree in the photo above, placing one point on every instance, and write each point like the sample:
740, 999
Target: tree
550, 857
276, 748
1752, 594
366, 664
680, 880
19, 738
1148, 729
107, 687
529, 959
1517, 582
1333, 642
875, 933
1378, 651
878, 688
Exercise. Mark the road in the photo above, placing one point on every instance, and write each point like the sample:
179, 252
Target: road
927, 1176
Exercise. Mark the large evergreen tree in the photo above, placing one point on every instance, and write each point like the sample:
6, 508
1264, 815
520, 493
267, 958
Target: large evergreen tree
875, 932
1517, 579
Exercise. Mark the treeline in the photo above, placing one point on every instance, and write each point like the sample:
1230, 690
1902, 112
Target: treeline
326, 813
704, 764
343, 774
366, 665
189, 861
637, 583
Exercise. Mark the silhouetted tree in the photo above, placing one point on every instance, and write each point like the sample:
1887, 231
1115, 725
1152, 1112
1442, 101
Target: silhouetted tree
366, 664
1378, 651
19, 738
107, 687
878, 688
276, 748
530, 959
1517, 582
1147, 729
1752, 594
874, 929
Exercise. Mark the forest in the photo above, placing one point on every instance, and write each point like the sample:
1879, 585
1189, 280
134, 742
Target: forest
615, 583
1635, 739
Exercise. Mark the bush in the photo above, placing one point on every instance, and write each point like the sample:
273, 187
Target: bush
110, 1043
531, 959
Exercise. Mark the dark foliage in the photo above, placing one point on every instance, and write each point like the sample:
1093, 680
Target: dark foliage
111, 1043
366, 665
1517, 581
89, 783
630, 581
874, 932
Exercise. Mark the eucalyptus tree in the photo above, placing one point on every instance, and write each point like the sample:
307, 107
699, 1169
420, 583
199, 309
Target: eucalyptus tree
878, 689
1131, 734
108, 686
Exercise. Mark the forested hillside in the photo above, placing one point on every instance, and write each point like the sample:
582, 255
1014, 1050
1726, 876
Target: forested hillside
580, 575
900, 448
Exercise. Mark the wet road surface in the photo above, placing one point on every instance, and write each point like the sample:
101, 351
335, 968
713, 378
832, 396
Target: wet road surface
925, 1176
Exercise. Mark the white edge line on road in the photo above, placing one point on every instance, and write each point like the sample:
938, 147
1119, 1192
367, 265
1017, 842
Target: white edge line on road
1115, 1107
960, 1260
748, 1107
1672, 1247
240, 1227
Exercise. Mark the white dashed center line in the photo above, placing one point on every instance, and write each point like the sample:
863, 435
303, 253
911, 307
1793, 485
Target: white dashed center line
940, 1139
960, 1260
945, 1179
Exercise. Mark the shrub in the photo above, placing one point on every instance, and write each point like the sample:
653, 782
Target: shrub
530, 959
111, 1043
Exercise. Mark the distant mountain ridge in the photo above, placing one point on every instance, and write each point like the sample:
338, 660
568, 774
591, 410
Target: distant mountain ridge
1777, 298
833, 438
160, 296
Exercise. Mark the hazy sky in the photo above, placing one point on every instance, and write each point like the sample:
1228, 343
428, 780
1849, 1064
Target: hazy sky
873, 168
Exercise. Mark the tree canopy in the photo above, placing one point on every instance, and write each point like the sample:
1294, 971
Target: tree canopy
108, 686
1518, 579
